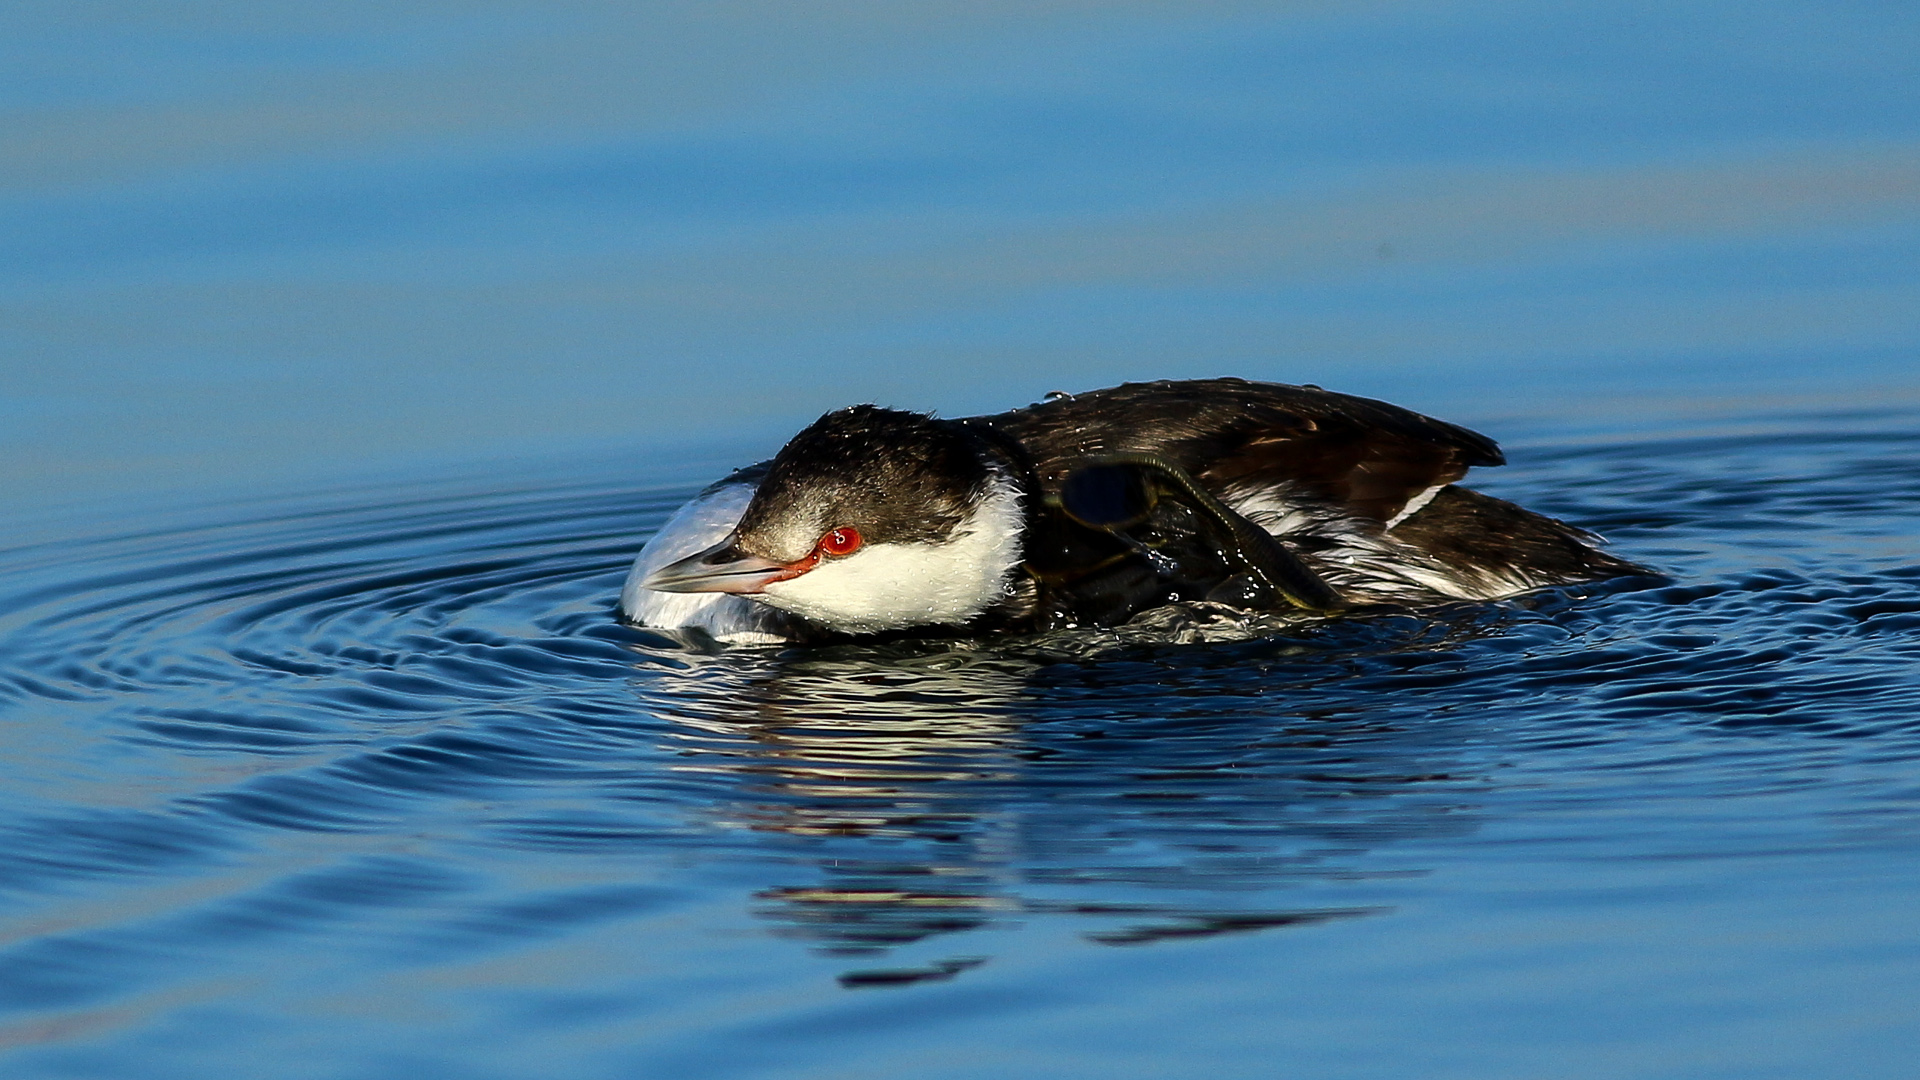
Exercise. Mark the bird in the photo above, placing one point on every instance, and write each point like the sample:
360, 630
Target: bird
1088, 509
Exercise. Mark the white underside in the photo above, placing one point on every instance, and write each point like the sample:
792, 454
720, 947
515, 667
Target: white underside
701, 523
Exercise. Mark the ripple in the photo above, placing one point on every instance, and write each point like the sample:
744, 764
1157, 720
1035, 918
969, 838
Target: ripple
435, 686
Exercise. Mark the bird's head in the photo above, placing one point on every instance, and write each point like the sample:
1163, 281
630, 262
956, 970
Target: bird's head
870, 519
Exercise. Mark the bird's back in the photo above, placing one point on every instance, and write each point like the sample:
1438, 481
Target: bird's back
1231, 434
1360, 489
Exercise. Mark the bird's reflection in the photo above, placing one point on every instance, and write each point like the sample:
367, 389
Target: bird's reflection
931, 789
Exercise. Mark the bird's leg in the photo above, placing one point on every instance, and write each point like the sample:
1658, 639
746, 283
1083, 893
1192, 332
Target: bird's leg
1120, 494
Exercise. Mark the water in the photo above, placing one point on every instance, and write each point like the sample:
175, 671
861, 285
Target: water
243, 246
372, 782
348, 353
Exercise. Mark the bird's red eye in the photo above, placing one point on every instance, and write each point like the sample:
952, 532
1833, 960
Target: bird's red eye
842, 541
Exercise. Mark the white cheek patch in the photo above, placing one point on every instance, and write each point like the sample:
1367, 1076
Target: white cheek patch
896, 586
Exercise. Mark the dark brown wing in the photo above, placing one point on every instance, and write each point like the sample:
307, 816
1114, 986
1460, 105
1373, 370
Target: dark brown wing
1231, 434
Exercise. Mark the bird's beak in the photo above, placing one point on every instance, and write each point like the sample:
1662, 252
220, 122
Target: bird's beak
723, 568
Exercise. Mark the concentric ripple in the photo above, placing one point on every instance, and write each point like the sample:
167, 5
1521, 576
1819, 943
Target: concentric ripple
393, 730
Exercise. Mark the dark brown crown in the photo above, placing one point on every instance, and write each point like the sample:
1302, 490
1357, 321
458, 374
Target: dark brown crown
898, 477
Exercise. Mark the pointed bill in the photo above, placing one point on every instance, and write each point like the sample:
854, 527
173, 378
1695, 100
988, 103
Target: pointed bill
723, 568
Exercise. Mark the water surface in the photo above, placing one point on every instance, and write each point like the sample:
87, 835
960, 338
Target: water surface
249, 246
373, 781
348, 352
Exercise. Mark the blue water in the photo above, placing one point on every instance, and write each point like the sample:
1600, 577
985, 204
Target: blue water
374, 784
348, 354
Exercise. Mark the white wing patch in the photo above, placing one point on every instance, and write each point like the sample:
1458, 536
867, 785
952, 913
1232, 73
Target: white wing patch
1415, 505
1367, 562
